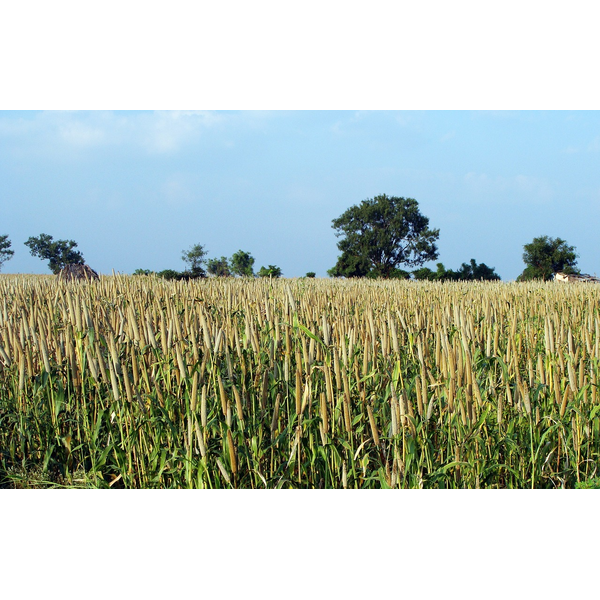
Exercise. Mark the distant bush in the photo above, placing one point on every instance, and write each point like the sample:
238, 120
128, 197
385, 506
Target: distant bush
311, 274
468, 272
169, 274
270, 271
143, 272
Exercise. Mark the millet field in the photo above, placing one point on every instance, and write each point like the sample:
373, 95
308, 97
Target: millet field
138, 382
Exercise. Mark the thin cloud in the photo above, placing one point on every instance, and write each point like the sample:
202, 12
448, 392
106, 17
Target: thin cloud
356, 121
168, 131
594, 145
81, 135
155, 132
176, 191
497, 114
481, 183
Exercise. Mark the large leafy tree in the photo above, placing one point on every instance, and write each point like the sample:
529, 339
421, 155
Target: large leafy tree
381, 233
242, 264
58, 253
545, 256
5, 252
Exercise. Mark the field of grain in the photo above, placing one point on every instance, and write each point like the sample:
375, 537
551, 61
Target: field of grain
137, 382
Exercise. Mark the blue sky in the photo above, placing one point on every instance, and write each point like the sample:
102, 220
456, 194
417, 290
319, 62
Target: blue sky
135, 188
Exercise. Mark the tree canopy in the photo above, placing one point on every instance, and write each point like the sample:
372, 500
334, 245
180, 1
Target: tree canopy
5, 252
58, 253
219, 267
545, 256
270, 271
380, 234
242, 264
476, 272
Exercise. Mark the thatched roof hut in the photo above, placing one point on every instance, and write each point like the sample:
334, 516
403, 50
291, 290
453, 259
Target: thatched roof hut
77, 273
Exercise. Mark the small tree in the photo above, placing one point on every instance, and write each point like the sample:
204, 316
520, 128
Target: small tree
5, 252
195, 258
242, 264
311, 274
58, 253
545, 256
219, 267
271, 271
443, 274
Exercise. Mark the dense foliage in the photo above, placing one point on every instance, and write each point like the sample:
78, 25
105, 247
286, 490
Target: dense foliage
219, 267
380, 234
270, 271
242, 264
467, 272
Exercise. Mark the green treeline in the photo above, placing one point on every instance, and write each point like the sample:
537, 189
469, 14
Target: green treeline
379, 239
